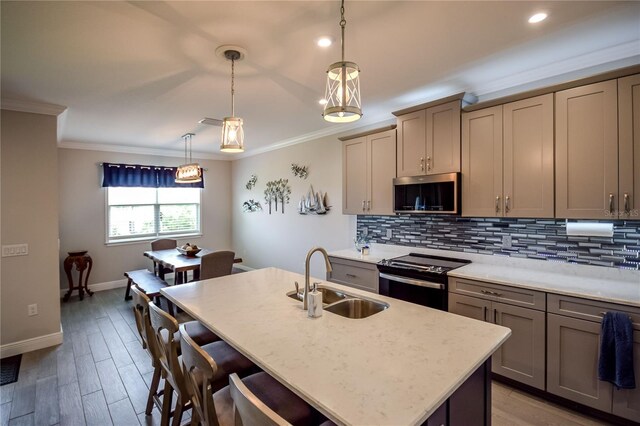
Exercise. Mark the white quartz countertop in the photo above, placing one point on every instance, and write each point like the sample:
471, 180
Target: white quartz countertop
592, 282
393, 368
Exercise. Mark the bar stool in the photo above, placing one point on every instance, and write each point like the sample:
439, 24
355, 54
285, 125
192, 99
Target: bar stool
166, 331
211, 407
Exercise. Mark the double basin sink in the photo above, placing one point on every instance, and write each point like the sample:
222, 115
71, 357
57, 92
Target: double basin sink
345, 304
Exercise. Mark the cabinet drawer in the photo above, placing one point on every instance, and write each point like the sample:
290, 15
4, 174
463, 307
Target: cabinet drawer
505, 294
590, 310
361, 275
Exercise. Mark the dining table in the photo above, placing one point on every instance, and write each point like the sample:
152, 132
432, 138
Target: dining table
179, 263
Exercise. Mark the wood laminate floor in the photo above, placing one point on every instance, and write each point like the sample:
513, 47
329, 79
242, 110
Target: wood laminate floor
100, 376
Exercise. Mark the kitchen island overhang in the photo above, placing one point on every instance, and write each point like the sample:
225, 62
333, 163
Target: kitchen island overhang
395, 367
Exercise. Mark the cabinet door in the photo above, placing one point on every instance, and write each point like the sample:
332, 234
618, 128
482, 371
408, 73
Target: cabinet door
572, 362
443, 138
411, 144
587, 151
626, 402
482, 162
354, 176
629, 146
522, 356
528, 157
470, 307
381, 170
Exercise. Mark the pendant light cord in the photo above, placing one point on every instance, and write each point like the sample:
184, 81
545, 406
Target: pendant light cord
233, 62
343, 23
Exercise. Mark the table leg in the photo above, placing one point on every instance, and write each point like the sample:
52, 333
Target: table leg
179, 277
86, 280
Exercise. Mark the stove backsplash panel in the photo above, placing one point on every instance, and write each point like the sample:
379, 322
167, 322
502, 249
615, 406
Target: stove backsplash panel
530, 238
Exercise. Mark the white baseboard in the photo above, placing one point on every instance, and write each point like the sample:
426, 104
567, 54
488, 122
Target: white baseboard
99, 286
33, 344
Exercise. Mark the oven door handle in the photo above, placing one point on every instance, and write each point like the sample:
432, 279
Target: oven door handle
410, 281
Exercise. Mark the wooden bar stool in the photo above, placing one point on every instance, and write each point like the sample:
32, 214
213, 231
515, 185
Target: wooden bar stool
166, 331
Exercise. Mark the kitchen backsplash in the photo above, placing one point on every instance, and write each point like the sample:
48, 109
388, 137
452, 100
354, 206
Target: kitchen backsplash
530, 238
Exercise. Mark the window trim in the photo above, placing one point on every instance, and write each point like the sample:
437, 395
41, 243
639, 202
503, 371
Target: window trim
148, 237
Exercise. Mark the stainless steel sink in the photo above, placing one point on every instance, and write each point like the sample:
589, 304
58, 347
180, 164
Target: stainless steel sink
345, 304
329, 295
357, 308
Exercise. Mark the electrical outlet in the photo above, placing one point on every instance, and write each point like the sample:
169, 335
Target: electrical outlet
365, 231
32, 309
15, 250
506, 241
389, 233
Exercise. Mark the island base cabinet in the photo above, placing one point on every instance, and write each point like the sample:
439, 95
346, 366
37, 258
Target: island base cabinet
572, 362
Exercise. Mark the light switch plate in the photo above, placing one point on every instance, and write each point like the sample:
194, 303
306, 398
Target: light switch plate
15, 250
506, 241
389, 233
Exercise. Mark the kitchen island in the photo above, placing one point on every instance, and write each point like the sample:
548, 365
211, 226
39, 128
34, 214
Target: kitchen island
396, 367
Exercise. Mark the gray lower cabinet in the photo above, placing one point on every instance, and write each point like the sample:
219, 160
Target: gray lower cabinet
522, 356
361, 275
572, 362
573, 345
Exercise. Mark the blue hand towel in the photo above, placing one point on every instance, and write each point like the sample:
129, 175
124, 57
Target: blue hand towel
616, 350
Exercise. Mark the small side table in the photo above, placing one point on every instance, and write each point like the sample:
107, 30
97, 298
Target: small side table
81, 260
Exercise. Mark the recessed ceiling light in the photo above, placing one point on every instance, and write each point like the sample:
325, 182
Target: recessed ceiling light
322, 101
324, 41
538, 17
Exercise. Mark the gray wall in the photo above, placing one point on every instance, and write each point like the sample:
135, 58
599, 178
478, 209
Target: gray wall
282, 240
29, 215
83, 213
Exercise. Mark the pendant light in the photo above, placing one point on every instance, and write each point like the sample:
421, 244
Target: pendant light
343, 87
232, 132
189, 172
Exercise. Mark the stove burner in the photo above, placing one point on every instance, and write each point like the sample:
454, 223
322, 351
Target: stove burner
424, 263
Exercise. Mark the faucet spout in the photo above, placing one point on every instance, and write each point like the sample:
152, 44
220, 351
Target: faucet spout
307, 262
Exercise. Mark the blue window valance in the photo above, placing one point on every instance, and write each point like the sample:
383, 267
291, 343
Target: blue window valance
137, 175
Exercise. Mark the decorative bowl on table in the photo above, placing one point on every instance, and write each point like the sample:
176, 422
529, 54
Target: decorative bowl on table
189, 251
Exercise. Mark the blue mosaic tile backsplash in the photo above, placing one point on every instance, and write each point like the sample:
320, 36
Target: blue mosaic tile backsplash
530, 238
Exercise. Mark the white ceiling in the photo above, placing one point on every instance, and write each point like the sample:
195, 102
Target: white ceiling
138, 75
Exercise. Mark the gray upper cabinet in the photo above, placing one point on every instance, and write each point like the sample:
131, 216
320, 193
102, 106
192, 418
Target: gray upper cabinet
429, 140
368, 169
507, 160
587, 151
629, 146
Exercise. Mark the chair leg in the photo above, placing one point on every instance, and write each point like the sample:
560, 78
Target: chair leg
153, 390
177, 413
127, 294
166, 404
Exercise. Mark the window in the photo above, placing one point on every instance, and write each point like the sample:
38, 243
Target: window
147, 213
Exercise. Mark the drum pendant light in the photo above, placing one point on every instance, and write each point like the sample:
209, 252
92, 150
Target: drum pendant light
232, 132
189, 172
343, 87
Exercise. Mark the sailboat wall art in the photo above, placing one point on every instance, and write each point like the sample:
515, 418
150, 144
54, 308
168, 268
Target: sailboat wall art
313, 203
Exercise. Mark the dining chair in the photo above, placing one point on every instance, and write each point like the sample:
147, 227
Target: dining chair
167, 335
215, 406
216, 264
162, 244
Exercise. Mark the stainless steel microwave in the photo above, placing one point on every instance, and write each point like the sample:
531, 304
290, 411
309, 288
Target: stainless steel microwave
427, 194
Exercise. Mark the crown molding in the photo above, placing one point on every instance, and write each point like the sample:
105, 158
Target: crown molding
89, 146
33, 107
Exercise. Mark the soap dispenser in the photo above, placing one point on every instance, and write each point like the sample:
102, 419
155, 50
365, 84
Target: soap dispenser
315, 303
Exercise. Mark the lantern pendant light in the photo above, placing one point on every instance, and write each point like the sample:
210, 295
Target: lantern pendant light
189, 172
343, 87
232, 132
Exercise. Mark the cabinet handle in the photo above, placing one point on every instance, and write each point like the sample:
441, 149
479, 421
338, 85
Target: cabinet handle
352, 276
484, 313
506, 204
495, 316
498, 204
626, 204
363, 205
611, 197
428, 163
493, 293
422, 164
368, 205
